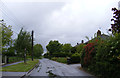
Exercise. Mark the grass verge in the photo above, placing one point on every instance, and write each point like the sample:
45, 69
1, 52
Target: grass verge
21, 67
60, 59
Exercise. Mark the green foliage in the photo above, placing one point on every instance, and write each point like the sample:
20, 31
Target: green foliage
38, 50
10, 51
61, 54
87, 38
104, 59
13, 59
73, 50
57, 49
75, 58
23, 42
21, 67
108, 57
46, 55
60, 59
87, 56
0, 39
6, 35
80, 48
54, 47
67, 48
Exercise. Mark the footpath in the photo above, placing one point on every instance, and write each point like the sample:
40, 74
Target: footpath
13, 73
12, 64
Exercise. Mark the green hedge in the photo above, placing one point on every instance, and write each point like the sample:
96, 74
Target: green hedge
60, 59
75, 58
105, 60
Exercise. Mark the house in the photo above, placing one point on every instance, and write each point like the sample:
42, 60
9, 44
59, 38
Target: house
99, 35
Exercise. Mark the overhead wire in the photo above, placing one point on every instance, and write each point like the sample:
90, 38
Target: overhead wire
9, 16
3, 24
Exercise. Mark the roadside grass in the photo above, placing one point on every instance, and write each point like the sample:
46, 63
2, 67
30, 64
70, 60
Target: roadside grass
60, 59
21, 67
0, 69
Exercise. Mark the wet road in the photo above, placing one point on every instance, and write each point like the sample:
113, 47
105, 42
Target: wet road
47, 67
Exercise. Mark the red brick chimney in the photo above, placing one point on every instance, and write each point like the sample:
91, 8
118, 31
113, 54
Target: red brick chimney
98, 33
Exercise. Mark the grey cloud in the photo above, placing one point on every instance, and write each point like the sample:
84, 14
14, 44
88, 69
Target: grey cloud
63, 21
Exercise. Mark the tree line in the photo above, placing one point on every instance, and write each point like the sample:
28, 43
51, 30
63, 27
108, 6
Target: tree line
20, 46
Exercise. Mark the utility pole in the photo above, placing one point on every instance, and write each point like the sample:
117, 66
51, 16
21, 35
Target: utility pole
25, 56
32, 44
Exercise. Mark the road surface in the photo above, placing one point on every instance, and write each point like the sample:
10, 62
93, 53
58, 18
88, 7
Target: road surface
48, 67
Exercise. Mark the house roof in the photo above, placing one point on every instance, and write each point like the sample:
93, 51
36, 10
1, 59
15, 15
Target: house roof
103, 36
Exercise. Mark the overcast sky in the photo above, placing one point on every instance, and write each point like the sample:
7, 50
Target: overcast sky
67, 21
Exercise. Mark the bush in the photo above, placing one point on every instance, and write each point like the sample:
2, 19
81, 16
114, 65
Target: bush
108, 57
61, 54
75, 58
103, 57
87, 55
46, 55
79, 48
60, 59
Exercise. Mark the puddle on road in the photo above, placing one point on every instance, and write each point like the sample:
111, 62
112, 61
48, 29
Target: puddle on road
39, 67
51, 74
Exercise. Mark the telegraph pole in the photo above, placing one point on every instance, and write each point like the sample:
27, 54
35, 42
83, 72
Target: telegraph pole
32, 44
25, 56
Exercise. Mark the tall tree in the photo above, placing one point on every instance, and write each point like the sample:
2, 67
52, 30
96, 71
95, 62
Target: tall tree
23, 43
67, 48
6, 35
38, 50
73, 49
116, 19
54, 47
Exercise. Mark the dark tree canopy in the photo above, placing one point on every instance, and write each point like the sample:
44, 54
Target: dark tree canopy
54, 47
116, 19
73, 49
38, 50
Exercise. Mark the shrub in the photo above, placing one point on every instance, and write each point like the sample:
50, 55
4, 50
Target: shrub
60, 59
46, 55
87, 55
103, 57
79, 48
75, 58
108, 58
61, 54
